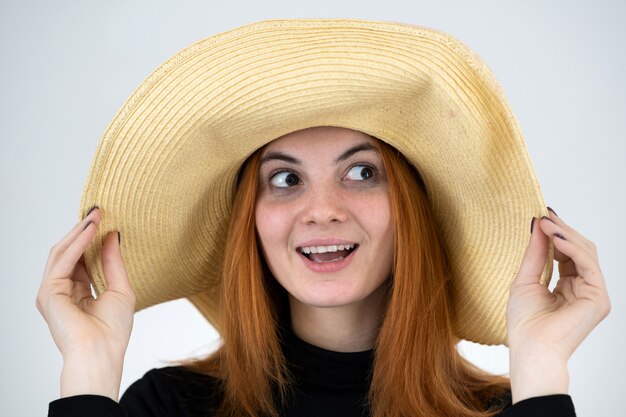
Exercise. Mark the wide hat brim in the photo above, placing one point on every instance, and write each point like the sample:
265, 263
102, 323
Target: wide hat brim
165, 168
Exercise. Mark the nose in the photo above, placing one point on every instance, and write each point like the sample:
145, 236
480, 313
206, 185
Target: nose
323, 206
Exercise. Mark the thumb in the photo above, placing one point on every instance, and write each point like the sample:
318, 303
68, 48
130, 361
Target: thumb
534, 258
114, 268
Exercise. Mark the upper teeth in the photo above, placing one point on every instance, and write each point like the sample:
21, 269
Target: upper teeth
324, 249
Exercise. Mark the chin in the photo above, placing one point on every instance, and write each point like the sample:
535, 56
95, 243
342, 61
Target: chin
330, 298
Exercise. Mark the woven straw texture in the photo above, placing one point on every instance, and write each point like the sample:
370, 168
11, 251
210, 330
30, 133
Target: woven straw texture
164, 170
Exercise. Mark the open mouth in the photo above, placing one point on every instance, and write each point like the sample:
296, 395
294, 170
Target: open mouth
331, 253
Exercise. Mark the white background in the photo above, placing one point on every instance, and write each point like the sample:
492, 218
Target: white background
66, 67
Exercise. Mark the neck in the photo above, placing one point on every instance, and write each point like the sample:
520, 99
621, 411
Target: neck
349, 328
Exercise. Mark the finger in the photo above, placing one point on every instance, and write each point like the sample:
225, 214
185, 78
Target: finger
93, 215
81, 285
565, 290
114, 268
534, 259
562, 232
585, 264
86, 226
572, 233
61, 265
556, 227
567, 267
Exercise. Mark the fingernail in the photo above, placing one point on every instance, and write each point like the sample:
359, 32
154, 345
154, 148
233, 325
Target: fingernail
547, 218
560, 236
90, 210
119, 238
554, 212
87, 225
532, 224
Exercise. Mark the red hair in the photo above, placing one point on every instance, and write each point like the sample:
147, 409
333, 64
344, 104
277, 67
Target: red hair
417, 368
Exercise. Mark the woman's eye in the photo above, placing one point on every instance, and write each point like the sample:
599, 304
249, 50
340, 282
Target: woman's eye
284, 179
360, 172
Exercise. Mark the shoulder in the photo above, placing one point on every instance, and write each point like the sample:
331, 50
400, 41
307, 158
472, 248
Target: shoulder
173, 390
556, 405
176, 377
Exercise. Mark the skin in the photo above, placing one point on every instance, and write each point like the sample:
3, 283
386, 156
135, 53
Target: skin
91, 334
329, 203
544, 327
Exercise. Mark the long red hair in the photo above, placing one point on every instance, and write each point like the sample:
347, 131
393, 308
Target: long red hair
418, 370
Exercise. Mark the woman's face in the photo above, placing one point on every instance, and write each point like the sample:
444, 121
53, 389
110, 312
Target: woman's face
323, 216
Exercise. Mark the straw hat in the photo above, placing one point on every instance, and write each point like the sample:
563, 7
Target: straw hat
165, 168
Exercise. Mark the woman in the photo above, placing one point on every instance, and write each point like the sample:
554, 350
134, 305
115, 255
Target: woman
341, 285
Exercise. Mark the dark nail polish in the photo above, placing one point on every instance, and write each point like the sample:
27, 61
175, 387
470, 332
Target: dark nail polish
90, 210
532, 224
547, 218
87, 225
553, 212
119, 238
560, 236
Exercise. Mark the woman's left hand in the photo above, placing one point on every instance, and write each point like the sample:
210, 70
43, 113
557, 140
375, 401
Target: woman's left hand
544, 327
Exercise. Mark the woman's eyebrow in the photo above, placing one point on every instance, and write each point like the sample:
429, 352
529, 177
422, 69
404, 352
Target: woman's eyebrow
355, 149
270, 156
281, 156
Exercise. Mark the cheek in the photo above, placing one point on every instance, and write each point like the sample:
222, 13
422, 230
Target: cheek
374, 214
271, 225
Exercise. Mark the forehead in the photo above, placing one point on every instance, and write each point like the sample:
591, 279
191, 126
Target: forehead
321, 136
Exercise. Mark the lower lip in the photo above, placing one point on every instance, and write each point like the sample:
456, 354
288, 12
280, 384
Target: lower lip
333, 266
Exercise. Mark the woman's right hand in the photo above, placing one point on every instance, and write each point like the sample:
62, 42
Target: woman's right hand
92, 334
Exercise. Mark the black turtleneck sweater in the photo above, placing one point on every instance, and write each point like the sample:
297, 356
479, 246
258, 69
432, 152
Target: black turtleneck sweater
327, 384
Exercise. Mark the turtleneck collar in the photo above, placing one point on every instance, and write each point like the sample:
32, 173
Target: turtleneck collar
324, 370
